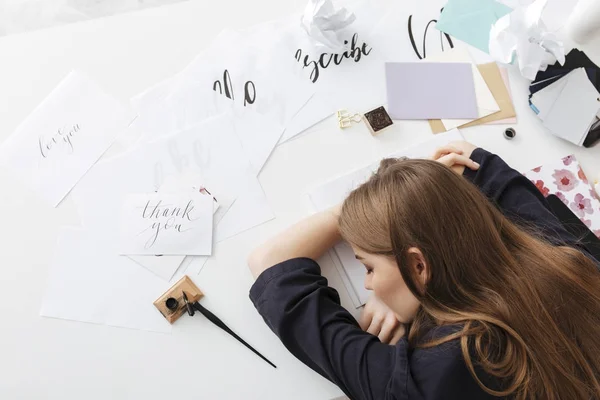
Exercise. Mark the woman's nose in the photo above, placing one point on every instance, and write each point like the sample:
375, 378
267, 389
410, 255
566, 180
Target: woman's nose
368, 279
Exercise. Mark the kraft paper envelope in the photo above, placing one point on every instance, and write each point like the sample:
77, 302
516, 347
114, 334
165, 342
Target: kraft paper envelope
493, 77
486, 103
513, 119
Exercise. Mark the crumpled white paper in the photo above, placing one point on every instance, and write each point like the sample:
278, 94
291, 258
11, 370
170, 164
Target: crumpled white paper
323, 22
523, 34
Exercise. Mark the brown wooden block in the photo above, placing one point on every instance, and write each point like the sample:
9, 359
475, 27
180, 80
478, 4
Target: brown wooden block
176, 292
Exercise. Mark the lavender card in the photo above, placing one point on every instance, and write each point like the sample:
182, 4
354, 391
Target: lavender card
422, 90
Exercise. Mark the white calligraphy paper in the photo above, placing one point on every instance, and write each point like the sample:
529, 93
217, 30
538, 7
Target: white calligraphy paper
89, 282
211, 151
256, 84
350, 78
64, 136
167, 223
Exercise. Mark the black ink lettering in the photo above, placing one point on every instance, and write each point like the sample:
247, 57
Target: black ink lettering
322, 63
414, 44
249, 93
355, 53
227, 85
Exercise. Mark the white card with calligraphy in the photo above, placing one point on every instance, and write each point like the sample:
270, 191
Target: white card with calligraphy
64, 136
167, 223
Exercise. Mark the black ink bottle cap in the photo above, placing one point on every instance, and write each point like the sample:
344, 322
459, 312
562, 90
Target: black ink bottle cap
510, 133
172, 304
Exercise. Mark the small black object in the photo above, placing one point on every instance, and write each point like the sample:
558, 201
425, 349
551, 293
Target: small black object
172, 304
188, 306
215, 320
510, 133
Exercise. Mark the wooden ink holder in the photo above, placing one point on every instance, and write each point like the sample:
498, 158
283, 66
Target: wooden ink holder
176, 291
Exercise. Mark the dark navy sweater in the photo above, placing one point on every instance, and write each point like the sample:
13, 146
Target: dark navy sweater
296, 303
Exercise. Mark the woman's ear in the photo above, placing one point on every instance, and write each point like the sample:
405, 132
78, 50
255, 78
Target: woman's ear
418, 265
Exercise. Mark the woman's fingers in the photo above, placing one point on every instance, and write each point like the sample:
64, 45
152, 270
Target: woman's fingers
453, 159
375, 327
388, 328
398, 334
442, 151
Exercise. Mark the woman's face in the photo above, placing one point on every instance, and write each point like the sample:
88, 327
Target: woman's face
385, 280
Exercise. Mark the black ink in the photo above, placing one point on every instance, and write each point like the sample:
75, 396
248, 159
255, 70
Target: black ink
249, 97
356, 53
414, 44
227, 84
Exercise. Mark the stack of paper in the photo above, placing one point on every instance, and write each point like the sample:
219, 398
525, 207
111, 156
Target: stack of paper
144, 210
494, 103
566, 98
569, 108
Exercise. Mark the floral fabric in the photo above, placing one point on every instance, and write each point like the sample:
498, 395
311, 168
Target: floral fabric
567, 181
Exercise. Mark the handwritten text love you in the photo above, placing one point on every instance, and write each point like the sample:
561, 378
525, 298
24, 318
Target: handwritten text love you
63, 137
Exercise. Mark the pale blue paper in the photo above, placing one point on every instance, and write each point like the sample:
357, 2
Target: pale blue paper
471, 20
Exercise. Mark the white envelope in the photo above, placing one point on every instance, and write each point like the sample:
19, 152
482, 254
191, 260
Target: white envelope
486, 104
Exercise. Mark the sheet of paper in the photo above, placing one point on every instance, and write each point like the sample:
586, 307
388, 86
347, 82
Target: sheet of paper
211, 150
259, 85
89, 282
471, 20
430, 90
64, 136
575, 110
486, 102
167, 223
351, 79
336, 190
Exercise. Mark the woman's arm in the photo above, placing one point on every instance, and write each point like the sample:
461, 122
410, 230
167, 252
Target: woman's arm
512, 193
309, 238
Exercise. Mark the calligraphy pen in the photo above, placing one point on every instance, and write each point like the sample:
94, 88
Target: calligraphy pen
195, 306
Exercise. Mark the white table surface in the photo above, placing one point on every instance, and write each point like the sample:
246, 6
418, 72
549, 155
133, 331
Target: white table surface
43, 358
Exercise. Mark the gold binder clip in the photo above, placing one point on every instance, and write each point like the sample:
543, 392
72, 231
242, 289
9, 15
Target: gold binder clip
345, 120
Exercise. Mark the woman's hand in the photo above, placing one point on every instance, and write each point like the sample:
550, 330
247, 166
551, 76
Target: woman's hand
379, 320
456, 156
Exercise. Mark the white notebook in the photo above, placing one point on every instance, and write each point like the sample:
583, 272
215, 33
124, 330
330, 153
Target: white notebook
335, 191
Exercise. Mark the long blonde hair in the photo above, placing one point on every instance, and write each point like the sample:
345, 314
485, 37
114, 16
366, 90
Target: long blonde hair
529, 311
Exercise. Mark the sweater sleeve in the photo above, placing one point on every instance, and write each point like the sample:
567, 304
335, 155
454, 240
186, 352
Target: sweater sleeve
517, 197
